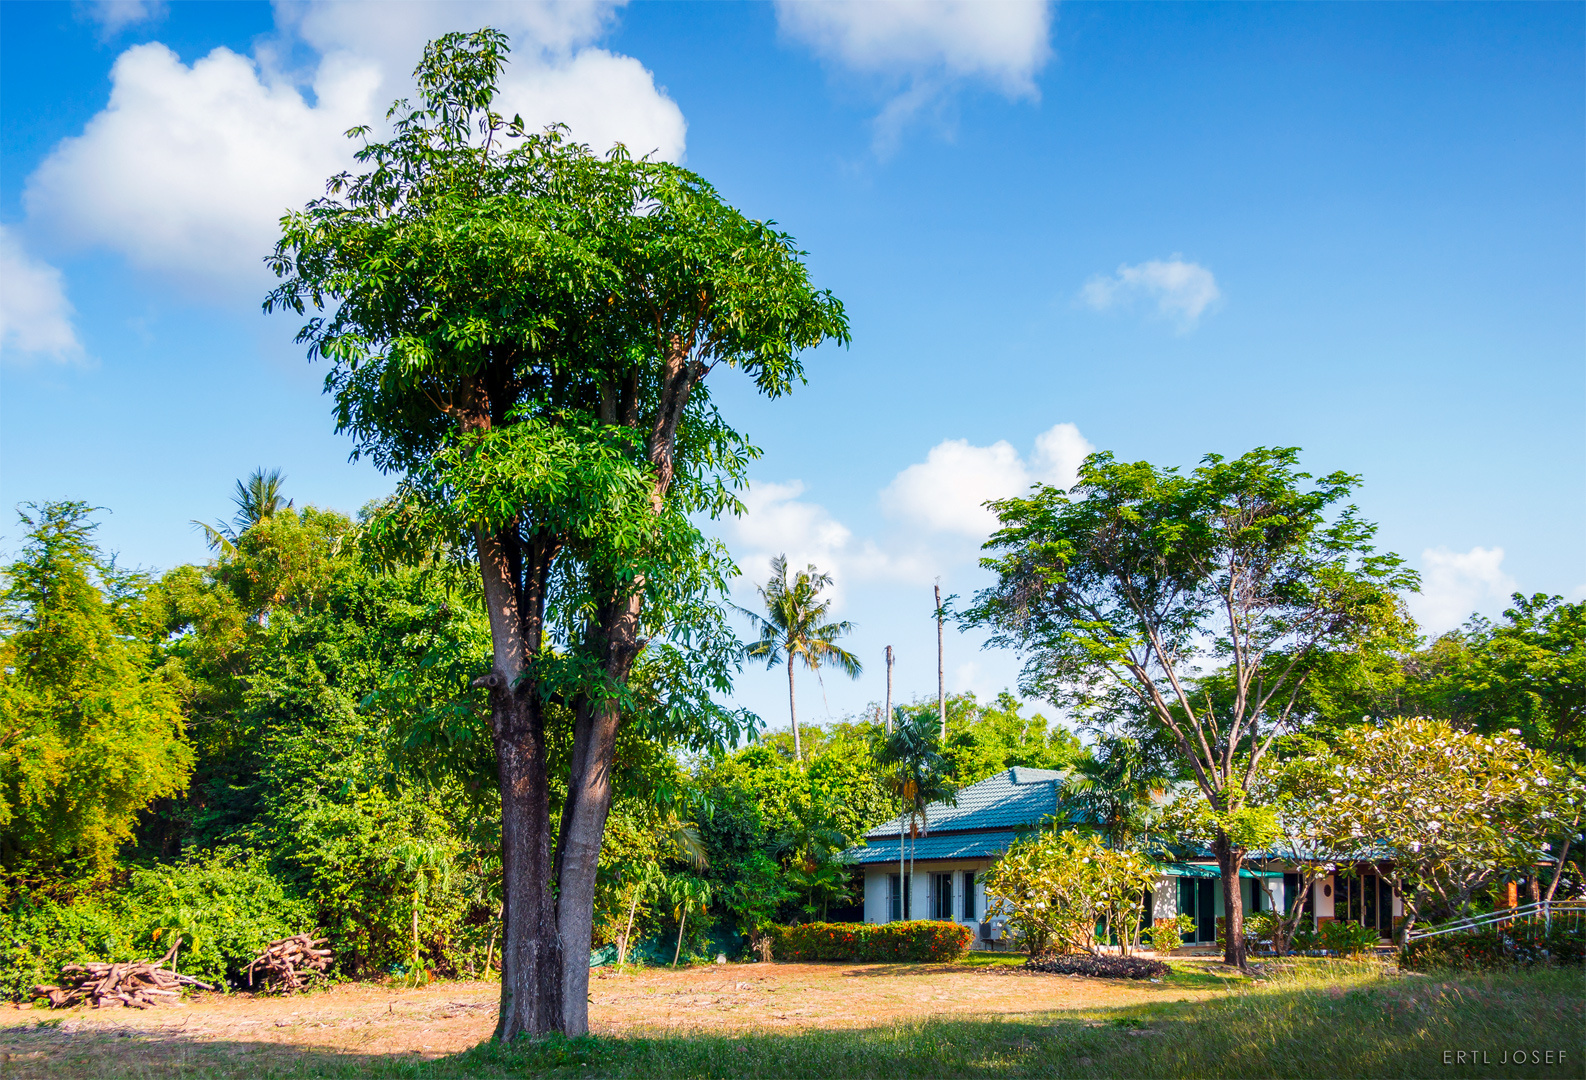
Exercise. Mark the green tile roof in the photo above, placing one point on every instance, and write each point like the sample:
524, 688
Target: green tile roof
951, 846
1008, 800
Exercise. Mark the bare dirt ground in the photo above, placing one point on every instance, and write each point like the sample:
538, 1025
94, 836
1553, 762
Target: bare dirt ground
363, 1021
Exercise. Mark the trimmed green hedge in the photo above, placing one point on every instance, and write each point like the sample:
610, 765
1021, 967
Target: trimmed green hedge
916, 941
1522, 944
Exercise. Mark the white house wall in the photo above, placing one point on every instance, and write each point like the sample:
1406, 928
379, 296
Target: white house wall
1322, 896
877, 909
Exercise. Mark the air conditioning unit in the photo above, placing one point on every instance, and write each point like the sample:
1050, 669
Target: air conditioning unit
991, 931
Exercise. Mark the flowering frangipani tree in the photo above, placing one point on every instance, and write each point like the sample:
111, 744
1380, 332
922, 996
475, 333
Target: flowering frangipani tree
1054, 888
1446, 810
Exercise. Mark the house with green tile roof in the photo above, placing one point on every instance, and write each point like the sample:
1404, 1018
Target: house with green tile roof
959, 842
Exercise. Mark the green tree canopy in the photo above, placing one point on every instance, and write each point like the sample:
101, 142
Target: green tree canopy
90, 729
1128, 590
522, 331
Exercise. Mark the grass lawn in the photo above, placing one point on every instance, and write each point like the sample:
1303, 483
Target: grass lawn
1297, 1019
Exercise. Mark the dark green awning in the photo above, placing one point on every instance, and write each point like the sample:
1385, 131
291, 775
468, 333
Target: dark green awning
1197, 870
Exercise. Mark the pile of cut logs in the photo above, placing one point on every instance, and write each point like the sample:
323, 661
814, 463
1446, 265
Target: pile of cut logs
114, 986
288, 964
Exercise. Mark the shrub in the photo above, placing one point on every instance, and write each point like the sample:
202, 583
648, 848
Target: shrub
1102, 967
1523, 944
1168, 934
225, 906
917, 941
37, 938
1306, 940
1347, 938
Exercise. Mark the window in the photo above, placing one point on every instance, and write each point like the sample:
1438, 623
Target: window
896, 899
941, 904
971, 910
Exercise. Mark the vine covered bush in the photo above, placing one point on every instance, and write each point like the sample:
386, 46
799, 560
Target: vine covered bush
918, 941
226, 907
1524, 944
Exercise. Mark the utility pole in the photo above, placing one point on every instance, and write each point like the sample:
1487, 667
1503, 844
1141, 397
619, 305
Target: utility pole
888, 720
941, 679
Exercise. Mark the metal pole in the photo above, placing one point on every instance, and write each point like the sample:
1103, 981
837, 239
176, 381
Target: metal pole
941, 681
888, 720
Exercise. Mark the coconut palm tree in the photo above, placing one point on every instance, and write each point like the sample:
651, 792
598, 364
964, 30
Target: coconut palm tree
1112, 788
794, 628
257, 498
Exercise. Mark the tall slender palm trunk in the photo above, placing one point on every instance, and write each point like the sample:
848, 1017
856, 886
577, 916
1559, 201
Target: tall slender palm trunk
793, 710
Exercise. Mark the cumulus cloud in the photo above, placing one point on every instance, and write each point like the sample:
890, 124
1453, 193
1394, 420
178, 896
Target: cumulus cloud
188, 169
554, 75
35, 316
924, 49
776, 521
1181, 291
946, 492
114, 16
1456, 584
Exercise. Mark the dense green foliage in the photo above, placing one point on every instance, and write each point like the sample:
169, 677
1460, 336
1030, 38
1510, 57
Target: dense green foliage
93, 729
337, 774
916, 941
1520, 944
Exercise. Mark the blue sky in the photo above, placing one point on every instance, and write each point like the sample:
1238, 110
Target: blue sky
1155, 229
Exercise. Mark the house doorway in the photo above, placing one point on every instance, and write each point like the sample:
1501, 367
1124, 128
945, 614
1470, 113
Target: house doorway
1366, 899
1197, 898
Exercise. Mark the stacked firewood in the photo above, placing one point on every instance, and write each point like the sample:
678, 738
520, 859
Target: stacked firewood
114, 986
288, 964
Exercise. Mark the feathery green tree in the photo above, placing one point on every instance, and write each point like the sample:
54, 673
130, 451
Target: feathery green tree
1121, 592
91, 731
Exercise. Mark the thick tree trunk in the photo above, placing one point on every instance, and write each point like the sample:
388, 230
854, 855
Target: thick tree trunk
578, 855
616, 639
589, 793
530, 956
793, 711
1229, 859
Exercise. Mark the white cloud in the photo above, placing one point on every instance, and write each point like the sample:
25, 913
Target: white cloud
945, 492
925, 48
1059, 452
1455, 584
188, 169
552, 75
114, 16
1182, 291
777, 522
35, 316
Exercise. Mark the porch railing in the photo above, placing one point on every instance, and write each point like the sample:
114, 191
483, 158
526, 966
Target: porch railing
1547, 912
